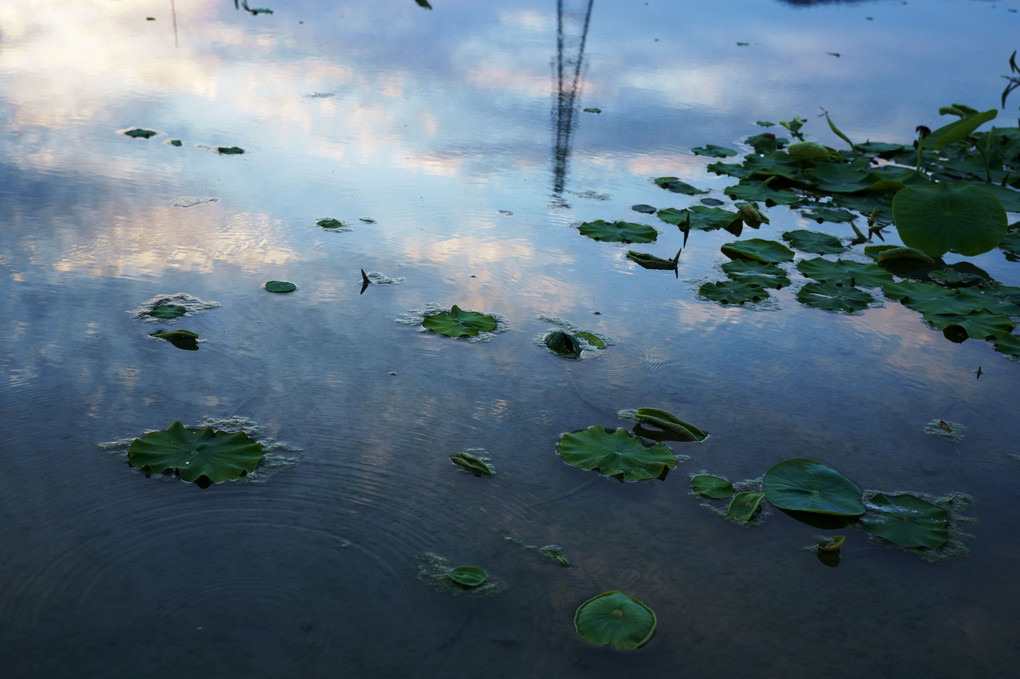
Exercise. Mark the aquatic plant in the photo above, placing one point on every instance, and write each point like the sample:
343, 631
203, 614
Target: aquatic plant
744, 505
617, 454
459, 323
906, 521
667, 421
619, 232
139, 133
472, 463
615, 619
715, 487
468, 576
182, 339
805, 485
280, 286
202, 456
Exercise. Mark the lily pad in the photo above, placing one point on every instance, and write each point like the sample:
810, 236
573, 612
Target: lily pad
756, 273
592, 339
667, 421
643, 208
280, 286
459, 323
715, 487
229, 150
713, 151
182, 339
333, 224
834, 297
471, 463
619, 232
676, 186
828, 214
468, 576
945, 217
615, 619
617, 454
649, 261
701, 217
759, 250
845, 272
832, 544
168, 311
814, 241
201, 456
906, 521
139, 133
762, 191
733, 292
744, 505
805, 485
885, 254
564, 344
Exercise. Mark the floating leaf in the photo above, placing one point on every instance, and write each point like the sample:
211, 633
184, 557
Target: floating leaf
756, 273
615, 619
643, 208
713, 151
649, 261
702, 217
667, 421
810, 152
176, 142
676, 186
929, 298
459, 323
906, 521
804, 485
844, 272
814, 241
834, 297
617, 454
592, 339
593, 110
280, 286
330, 223
944, 217
564, 344
472, 464
763, 192
976, 324
182, 339
168, 311
828, 214
468, 576
229, 150
759, 250
202, 456
884, 254
619, 232
744, 505
832, 544
139, 133
715, 487
733, 292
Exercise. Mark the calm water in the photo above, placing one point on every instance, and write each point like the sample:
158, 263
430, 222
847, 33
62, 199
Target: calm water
452, 131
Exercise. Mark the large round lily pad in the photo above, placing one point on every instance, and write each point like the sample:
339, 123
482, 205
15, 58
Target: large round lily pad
459, 323
618, 454
615, 619
942, 217
906, 521
619, 232
804, 485
201, 456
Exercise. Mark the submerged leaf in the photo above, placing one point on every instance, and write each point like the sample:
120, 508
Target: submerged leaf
139, 133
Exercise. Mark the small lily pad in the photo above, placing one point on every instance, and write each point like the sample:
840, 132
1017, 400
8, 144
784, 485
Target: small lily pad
563, 344
468, 576
649, 261
713, 151
759, 250
471, 463
280, 286
845, 272
831, 544
804, 485
677, 186
667, 421
814, 241
333, 224
756, 273
715, 487
182, 339
139, 133
906, 521
643, 208
733, 292
592, 339
592, 109
619, 232
201, 456
834, 297
168, 311
615, 619
459, 323
744, 505
229, 150
617, 454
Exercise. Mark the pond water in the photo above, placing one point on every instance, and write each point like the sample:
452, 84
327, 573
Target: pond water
454, 144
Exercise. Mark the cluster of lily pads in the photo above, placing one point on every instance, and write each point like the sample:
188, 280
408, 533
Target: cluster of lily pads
949, 192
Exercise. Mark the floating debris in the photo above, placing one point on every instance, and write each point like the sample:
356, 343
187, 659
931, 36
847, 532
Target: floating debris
192, 201
954, 431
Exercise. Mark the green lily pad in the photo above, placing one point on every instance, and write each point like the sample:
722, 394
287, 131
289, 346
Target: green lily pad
702, 217
176, 142
201, 456
472, 464
762, 191
619, 232
929, 298
759, 250
649, 261
828, 214
884, 254
592, 339
168, 311
715, 487
617, 454
976, 324
643, 208
844, 272
667, 421
333, 224
564, 344
733, 292
229, 150
744, 505
468, 576
945, 217
805, 485
810, 152
713, 151
814, 241
766, 142
756, 273
676, 186
834, 297
139, 133
182, 339
615, 619
280, 286
906, 521
592, 109
459, 323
